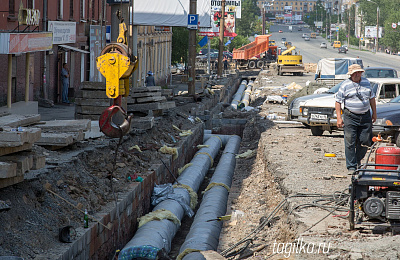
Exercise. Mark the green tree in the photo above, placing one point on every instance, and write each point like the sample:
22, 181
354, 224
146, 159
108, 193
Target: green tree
246, 26
180, 45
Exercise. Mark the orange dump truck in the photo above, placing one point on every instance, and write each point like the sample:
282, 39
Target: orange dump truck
256, 54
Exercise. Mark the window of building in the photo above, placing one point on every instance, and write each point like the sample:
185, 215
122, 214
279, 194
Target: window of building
30, 4
83, 9
11, 7
93, 9
301, 8
71, 9
295, 8
60, 9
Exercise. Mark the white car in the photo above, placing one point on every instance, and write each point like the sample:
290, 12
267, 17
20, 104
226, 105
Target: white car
320, 114
323, 45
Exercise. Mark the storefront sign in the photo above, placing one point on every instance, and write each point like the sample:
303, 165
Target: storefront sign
12, 43
63, 32
28, 16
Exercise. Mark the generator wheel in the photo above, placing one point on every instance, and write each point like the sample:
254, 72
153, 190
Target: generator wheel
397, 139
252, 64
260, 64
316, 130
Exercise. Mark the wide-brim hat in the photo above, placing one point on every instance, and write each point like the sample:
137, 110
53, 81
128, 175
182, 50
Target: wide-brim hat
354, 68
150, 73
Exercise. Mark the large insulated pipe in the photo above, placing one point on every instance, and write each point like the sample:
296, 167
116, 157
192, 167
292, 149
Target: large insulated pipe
238, 95
246, 97
204, 234
159, 233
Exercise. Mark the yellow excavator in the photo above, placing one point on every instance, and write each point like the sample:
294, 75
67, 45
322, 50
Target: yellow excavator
290, 63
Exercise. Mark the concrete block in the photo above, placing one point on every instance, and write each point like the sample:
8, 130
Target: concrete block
90, 109
10, 150
151, 106
90, 85
66, 125
8, 170
142, 123
24, 162
57, 139
92, 102
10, 181
145, 89
19, 120
92, 94
10, 138
39, 161
151, 99
132, 96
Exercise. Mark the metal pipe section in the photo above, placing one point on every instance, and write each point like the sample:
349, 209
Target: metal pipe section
224, 138
204, 234
238, 95
246, 98
159, 233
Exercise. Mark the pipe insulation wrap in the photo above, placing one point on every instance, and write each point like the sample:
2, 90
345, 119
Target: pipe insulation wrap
238, 96
246, 98
159, 233
195, 256
204, 235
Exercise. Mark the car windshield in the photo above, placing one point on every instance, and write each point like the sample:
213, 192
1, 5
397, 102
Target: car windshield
380, 73
334, 89
395, 100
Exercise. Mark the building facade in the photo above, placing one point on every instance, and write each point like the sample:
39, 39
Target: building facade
287, 11
34, 46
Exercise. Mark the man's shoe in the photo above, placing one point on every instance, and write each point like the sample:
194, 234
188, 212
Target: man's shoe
350, 171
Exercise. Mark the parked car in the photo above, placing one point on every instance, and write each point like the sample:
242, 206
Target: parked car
320, 112
388, 120
299, 29
294, 111
283, 40
380, 72
306, 38
203, 58
177, 68
342, 50
205, 51
280, 31
323, 45
305, 35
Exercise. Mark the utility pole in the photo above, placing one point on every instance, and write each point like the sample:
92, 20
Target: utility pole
348, 31
192, 53
221, 38
263, 20
377, 28
361, 34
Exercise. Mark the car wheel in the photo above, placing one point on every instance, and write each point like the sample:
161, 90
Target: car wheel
260, 64
316, 130
252, 64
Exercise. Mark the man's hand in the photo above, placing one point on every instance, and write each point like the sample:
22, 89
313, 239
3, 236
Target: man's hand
374, 117
339, 122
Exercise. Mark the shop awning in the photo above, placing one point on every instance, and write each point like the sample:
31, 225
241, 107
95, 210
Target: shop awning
72, 48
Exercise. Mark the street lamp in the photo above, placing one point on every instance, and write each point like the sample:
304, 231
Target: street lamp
377, 25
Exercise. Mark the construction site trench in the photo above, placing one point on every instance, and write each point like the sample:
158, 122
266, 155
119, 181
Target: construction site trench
282, 167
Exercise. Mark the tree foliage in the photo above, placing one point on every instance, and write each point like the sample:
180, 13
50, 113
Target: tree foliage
180, 45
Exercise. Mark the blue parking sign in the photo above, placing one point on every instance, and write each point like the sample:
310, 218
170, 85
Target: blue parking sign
192, 21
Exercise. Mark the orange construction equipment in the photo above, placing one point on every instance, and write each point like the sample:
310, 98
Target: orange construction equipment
256, 54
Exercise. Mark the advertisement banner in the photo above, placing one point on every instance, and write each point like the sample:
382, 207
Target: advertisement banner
370, 32
230, 6
63, 32
229, 25
13, 43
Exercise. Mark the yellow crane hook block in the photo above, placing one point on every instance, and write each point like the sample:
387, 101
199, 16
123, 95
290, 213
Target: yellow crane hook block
115, 68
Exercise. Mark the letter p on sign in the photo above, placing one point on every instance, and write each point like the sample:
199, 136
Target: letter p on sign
192, 21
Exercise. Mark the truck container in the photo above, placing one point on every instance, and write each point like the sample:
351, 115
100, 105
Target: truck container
256, 54
331, 71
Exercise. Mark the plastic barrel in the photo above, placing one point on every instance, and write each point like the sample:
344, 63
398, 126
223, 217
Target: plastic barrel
387, 155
